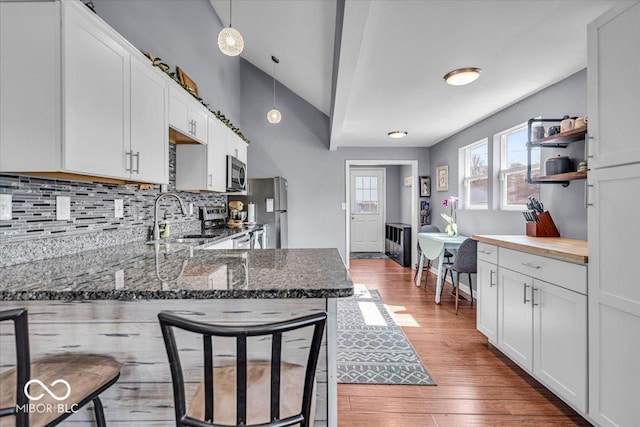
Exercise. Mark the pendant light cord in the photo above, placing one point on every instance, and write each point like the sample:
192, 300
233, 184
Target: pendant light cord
230, 12
274, 84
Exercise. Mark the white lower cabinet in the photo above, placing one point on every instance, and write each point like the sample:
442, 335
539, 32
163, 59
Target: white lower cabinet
560, 341
487, 312
542, 326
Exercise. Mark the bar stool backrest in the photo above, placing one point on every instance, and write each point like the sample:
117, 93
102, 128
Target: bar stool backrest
169, 322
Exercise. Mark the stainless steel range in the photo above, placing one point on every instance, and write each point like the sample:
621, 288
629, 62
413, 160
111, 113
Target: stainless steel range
213, 221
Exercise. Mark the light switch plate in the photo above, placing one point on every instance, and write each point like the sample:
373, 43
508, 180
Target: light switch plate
344, 206
190, 208
269, 205
63, 208
5, 207
118, 208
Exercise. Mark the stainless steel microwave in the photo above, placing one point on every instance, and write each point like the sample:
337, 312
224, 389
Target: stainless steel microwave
236, 174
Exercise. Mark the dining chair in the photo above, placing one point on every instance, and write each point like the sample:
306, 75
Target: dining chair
447, 254
248, 392
466, 261
47, 391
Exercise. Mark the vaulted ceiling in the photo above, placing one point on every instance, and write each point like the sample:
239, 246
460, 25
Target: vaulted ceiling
393, 55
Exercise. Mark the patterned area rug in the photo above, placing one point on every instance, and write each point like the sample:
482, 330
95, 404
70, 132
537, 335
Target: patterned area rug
367, 255
372, 349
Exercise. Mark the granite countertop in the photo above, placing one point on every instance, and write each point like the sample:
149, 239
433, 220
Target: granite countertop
554, 247
179, 271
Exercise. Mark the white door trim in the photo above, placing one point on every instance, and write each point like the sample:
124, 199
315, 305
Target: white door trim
414, 201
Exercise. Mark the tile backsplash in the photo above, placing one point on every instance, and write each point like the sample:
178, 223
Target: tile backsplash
92, 208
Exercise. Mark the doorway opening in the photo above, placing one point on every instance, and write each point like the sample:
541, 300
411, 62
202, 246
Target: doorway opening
370, 199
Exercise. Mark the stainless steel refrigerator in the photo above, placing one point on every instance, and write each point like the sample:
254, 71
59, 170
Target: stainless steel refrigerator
270, 197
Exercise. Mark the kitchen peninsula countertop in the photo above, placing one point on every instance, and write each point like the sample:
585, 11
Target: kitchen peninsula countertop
179, 271
555, 247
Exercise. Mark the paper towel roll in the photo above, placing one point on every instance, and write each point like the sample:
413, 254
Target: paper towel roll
251, 212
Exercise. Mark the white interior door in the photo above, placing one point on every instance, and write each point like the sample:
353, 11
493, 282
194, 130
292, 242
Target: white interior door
367, 210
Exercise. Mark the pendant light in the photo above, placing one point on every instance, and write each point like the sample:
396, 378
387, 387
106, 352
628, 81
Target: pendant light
230, 40
274, 115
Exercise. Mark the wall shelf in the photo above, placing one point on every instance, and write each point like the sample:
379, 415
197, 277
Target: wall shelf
559, 140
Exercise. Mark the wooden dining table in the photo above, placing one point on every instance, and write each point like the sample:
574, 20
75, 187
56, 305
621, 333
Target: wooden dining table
433, 246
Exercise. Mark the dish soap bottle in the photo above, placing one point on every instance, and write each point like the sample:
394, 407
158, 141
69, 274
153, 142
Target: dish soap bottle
165, 228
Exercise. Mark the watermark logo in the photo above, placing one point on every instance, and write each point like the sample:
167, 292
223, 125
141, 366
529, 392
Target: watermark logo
47, 407
51, 393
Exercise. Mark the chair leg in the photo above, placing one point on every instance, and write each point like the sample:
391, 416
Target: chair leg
457, 292
470, 288
99, 412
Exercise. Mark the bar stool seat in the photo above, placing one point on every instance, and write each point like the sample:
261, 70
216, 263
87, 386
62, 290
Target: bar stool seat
258, 389
71, 379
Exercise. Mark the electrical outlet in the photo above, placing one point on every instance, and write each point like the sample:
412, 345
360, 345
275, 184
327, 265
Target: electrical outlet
5, 207
118, 208
119, 278
63, 208
190, 208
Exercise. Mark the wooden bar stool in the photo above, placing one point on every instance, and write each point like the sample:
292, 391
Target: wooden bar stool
63, 383
236, 394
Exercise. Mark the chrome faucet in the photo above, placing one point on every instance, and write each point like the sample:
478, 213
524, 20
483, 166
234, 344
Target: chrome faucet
156, 207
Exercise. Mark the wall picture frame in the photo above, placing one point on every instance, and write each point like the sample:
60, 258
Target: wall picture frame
425, 186
442, 178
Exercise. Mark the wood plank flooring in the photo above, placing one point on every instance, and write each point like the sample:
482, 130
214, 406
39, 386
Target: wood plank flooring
477, 385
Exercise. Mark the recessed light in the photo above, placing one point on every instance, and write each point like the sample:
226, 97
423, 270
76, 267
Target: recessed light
395, 134
462, 76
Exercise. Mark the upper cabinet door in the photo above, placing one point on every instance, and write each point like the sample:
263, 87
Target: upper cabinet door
217, 156
613, 90
95, 73
187, 116
149, 137
179, 111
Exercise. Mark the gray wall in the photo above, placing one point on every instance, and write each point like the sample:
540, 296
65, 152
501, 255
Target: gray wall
405, 196
297, 149
394, 209
182, 33
566, 205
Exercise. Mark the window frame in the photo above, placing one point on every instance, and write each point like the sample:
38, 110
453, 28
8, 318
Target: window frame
464, 162
500, 139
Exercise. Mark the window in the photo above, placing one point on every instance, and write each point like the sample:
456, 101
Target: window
474, 160
514, 187
366, 194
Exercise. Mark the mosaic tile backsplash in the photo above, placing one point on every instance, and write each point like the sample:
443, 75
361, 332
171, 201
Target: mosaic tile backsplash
92, 211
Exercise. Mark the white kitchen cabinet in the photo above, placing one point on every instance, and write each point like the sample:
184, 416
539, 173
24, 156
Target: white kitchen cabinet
560, 341
203, 167
614, 296
613, 102
542, 326
187, 115
487, 312
613, 92
515, 319
66, 106
149, 153
236, 147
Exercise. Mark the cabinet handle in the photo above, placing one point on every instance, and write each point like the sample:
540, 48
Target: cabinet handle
524, 299
589, 156
195, 127
491, 282
210, 180
128, 154
589, 186
528, 264
137, 156
533, 296
486, 252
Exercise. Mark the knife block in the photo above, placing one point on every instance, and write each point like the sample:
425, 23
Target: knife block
545, 228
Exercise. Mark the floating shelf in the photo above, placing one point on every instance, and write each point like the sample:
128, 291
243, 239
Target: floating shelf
569, 176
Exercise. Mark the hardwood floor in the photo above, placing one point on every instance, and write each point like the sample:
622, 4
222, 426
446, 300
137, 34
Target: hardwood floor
477, 385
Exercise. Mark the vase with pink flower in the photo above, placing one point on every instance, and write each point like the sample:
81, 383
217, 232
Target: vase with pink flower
452, 227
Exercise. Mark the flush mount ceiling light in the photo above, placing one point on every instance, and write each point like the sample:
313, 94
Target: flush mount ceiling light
462, 76
274, 115
230, 40
396, 134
